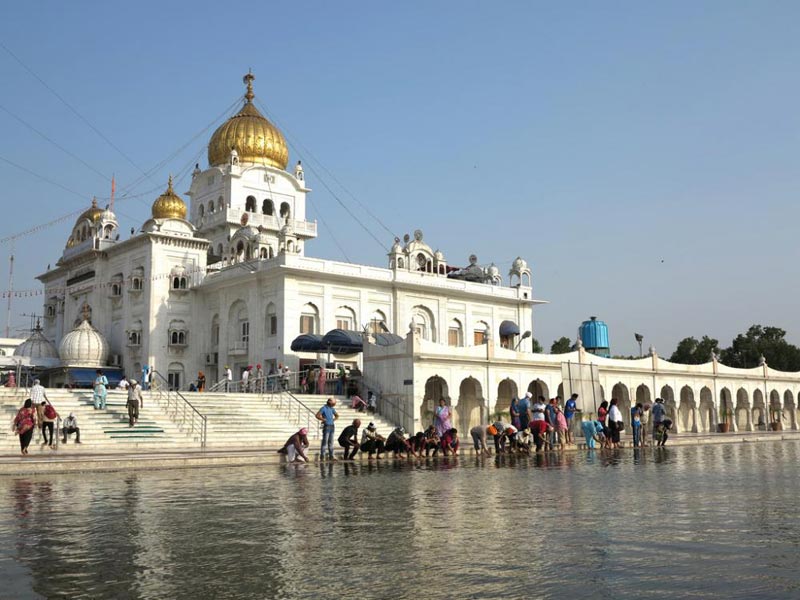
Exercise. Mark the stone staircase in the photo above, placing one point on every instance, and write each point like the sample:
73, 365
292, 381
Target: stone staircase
101, 430
234, 420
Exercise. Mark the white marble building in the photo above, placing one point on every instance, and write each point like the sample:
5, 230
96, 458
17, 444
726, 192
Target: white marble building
226, 279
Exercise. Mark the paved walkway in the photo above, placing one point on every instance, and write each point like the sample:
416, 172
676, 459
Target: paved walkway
67, 459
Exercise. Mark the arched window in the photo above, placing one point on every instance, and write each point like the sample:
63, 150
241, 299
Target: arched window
220, 250
267, 207
377, 322
272, 320
400, 263
424, 323
455, 333
263, 253
210, 206
250, 204
345, 318
481, 333
220, 203
309, 319
286, 211
201, 211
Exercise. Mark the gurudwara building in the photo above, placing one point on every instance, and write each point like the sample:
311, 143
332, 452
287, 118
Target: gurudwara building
225, 280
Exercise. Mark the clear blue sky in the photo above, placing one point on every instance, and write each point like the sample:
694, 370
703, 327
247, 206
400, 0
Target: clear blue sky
642, 156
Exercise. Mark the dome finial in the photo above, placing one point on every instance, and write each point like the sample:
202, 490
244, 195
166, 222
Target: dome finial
169, 185
94, 201
248, 79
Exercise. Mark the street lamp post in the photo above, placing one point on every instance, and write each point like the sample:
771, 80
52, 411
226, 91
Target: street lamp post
639, 338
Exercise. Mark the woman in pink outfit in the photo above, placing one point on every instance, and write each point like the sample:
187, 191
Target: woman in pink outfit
441, 419
321, 381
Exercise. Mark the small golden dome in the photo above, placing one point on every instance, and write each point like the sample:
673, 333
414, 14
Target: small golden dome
169, 205
93, 213
255, 139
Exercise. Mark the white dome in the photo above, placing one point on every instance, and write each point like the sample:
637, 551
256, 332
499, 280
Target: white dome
84, 346
37, 346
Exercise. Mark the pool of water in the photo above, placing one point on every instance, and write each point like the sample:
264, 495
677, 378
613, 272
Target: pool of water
704, 521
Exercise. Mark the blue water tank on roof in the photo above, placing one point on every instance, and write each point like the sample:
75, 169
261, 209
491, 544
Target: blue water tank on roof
594, 335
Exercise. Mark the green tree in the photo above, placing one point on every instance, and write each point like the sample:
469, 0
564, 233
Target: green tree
537, 347
747, 349
692, 352
561, 346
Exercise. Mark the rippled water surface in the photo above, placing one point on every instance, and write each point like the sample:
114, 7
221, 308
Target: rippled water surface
707, 521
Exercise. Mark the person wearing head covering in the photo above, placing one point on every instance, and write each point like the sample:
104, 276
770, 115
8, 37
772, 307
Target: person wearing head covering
349, 439
398, 444
524, 440
327, 415
432, 441
372, 441
70, 427
135, 402
123, 384
24, 424
450, 442
100, 386
295, 446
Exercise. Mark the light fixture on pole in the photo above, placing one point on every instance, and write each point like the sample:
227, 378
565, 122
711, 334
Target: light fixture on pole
524, 336
639, 338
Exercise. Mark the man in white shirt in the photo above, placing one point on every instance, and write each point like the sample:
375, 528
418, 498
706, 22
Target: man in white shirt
37, 393
538, 409
245, 378
228, 378
123, 384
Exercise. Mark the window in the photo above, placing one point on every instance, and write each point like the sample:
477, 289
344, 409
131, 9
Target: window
286, 211
250, 204
306, 324
267, 207
244, 328
480, 337
377, 323
345, 318
215, 331
135, 338
116, 289
201, 211
210, 206
179, 283
309, 319
220, 203
273, 325
454, 337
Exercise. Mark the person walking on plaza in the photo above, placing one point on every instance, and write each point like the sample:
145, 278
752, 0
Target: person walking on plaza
38, 394
570, 407
524, 410
201, 381
70, 427
48, 420
228, 378
246, 379
327, 415
349, 439
636, 424
441, 418
100, 390
295, 446
615, 423
321, 375
134, 402
24, 423
659, 413
146, 377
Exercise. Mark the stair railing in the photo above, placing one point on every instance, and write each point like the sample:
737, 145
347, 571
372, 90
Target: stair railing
178, 408
388, 406
295, 410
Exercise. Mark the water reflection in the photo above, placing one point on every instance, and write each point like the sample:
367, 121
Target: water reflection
681, 521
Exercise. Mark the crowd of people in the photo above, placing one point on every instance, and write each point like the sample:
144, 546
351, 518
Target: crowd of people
39, 414
535, 426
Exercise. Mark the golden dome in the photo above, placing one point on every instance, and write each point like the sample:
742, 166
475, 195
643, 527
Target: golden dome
255, 139
169, 205
93, 213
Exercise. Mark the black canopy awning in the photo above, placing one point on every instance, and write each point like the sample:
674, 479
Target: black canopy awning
509, 328
308, 342
341, 341
387, 339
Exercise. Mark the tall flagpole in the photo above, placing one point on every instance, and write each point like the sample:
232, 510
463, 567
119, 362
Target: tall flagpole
10, 290
113, 189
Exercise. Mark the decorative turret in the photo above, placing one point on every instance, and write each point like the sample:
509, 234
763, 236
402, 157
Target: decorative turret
169, 205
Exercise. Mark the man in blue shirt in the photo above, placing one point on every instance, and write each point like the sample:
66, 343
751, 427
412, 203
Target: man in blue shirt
524, 409
570, 407
659, 414
327, 415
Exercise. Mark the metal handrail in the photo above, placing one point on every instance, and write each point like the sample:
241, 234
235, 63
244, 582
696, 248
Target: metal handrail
397, 414
295, 410
178, 407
